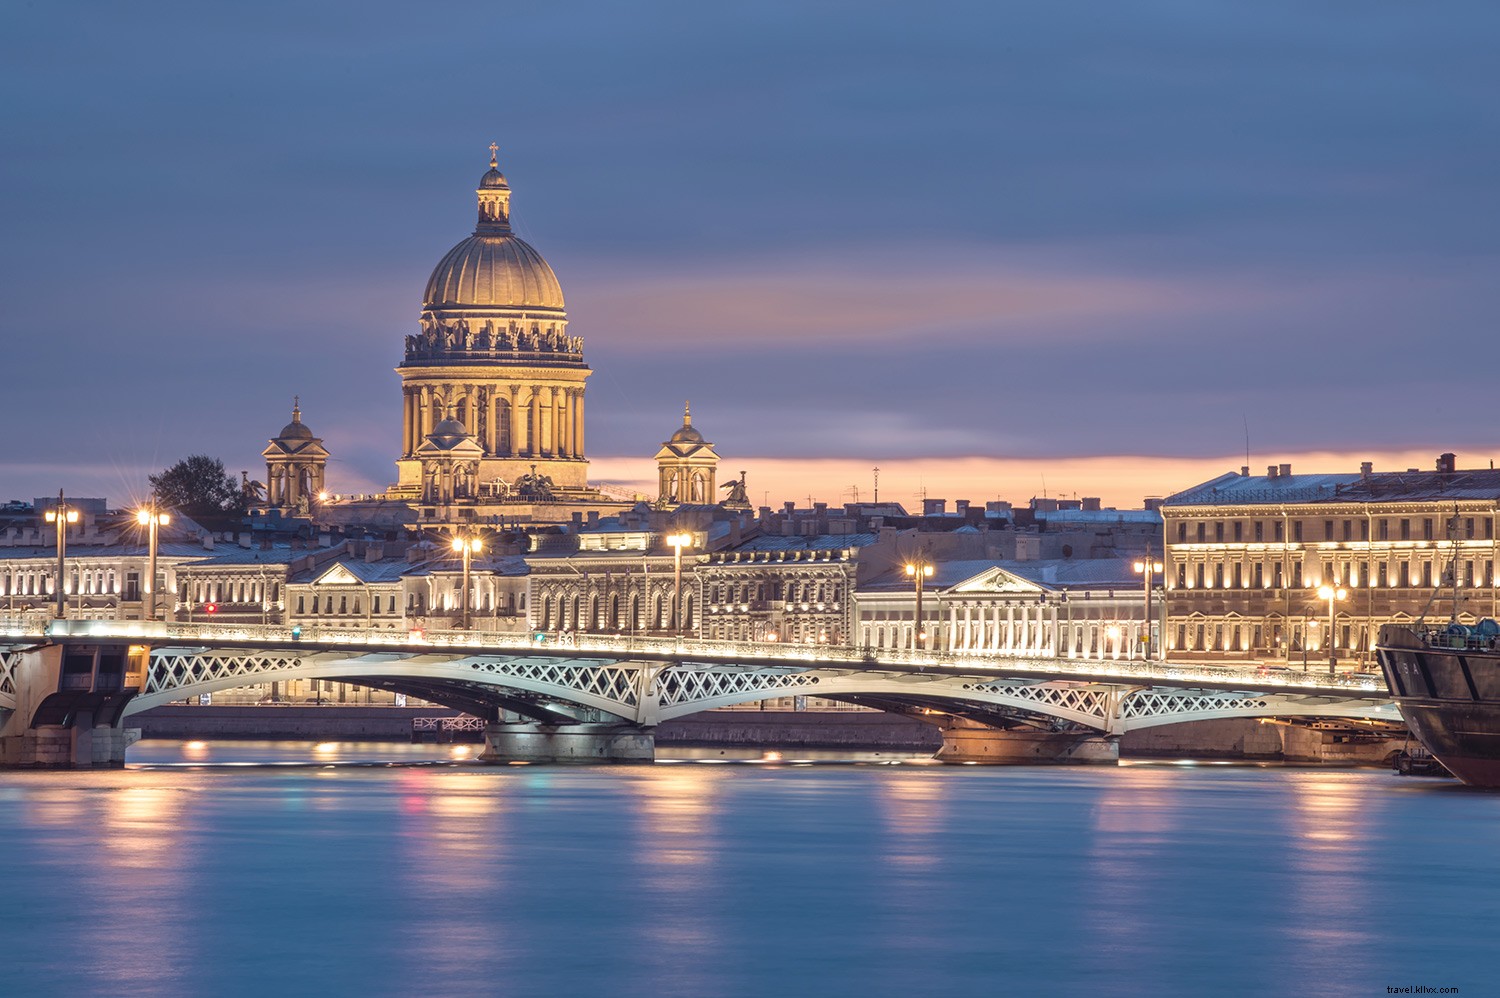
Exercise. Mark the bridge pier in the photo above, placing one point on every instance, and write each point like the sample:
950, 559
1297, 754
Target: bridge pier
69, 701
537, 742
969, 742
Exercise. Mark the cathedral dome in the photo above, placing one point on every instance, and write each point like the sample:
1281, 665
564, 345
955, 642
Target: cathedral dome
296, 429
493, 268
687, 433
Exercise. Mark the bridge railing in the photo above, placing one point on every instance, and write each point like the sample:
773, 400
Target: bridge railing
765, 653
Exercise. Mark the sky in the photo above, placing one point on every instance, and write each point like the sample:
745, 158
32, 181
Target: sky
996, 249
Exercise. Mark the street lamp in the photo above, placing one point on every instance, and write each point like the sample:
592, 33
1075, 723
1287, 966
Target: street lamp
1332, 593
677, 542
920, 571
62, 514
151, 518
1148, 569
469, 546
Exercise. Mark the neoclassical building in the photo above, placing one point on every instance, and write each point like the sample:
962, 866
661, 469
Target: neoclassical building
1247, 555
492, 384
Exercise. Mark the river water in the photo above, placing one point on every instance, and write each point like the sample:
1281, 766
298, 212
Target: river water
269, 869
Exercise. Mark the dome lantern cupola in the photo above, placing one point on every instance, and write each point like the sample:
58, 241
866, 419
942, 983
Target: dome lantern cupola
494, 200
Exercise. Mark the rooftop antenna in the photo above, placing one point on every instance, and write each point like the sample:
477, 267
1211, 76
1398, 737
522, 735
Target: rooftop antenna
877, 482
1246, 418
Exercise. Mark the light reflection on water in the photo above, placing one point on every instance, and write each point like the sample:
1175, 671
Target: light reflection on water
254, 868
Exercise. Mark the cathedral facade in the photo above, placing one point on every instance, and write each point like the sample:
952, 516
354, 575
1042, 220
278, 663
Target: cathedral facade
492, 383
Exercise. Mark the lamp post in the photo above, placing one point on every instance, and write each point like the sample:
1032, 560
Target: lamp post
151, 518
1148, 568
468, 546
62, 514
1332, 593
920, 571
677, 542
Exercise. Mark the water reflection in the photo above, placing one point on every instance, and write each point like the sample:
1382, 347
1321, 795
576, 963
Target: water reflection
247, 867
674, 855
911, 804
1135, 815
1330, 897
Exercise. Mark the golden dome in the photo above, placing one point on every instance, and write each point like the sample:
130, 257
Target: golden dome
494, 267
493, 270
687, 433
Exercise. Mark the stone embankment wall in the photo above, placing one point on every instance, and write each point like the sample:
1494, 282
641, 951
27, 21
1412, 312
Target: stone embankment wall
1228, 739
311, 723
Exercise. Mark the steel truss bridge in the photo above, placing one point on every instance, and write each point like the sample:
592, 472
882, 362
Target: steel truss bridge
644, 681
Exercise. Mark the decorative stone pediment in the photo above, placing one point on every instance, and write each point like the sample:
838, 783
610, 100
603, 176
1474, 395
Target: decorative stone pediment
998, 580
338, 575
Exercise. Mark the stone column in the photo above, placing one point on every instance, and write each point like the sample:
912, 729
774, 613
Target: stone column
578, 450
534, 425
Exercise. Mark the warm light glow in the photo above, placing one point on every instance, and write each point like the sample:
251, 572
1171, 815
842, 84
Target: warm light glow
322, 497
926, 569
142, 517
679, 541
472, 544
1329, 592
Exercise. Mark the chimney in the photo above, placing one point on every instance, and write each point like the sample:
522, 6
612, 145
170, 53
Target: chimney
244, 539
1447, 464
325, 539
961, 507
593, 520
1271, 471
374, 551
934, 507
208, 541
788, 507
1092, 504
1366, 468
1244, 471
577, 520
1286, 471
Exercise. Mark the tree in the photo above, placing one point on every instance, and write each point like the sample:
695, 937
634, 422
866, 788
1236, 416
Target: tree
200, 488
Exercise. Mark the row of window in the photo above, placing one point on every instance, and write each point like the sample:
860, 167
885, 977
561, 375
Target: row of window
1273, 639
1348, 529
1261, 575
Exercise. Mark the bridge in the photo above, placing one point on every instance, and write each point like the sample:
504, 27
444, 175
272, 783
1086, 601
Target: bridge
580, 696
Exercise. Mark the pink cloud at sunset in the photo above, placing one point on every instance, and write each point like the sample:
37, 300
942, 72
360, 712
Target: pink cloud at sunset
1123, 481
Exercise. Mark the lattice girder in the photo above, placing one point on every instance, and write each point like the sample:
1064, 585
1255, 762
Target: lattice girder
9, 662
176, 674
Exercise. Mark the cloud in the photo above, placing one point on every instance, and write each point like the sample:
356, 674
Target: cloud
853, 297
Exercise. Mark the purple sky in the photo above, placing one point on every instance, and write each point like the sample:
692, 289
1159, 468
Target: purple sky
997, 230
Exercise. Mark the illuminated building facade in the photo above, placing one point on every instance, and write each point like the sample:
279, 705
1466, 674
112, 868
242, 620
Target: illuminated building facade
1246, 557
493, 385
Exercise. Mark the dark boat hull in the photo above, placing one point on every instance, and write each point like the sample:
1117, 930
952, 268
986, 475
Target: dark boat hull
1450, 698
